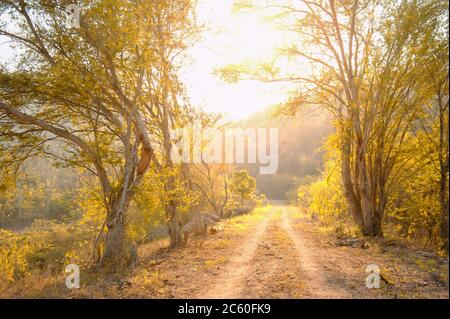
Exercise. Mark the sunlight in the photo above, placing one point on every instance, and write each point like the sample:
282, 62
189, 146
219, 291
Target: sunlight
234, 38
224, 149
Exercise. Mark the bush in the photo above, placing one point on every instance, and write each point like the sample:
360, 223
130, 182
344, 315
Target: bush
45, 245
324, 199
13, 256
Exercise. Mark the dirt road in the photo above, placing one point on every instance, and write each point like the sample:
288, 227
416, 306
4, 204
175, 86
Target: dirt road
284, 256
275, 252
274, 261
230, 283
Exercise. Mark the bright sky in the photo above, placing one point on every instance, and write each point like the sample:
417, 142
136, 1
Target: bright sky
231, 38
6, 52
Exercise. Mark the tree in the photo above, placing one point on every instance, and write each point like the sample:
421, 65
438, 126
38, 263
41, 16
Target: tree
211, 179
361, 61
434, 122
243, 184
94, 90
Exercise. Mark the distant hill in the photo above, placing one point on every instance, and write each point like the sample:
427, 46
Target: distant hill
299, 160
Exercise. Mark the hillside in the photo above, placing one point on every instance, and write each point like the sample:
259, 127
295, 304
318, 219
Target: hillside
299, 154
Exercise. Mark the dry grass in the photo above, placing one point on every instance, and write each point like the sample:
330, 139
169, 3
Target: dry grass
275, 270
410, 275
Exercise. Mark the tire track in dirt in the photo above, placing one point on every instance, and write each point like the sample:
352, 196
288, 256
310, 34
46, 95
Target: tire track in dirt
317, 282
229, 283
275, 270
274, 261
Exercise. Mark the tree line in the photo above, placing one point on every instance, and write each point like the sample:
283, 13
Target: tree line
381, 69
103, 99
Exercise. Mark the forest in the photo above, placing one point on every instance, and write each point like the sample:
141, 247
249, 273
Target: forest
92, 94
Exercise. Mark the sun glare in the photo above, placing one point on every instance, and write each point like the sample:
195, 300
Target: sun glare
235, 38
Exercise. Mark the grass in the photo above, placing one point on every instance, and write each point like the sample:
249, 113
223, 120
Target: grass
222, 243
215, 262
296, 213
241, 224
156, 267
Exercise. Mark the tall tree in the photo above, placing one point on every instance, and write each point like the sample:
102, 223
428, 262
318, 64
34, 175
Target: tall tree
434, 123
93, 89
359, 61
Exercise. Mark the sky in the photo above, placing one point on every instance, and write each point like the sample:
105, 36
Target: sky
6, 52
229, 38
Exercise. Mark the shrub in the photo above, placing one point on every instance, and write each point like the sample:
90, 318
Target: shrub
13, 256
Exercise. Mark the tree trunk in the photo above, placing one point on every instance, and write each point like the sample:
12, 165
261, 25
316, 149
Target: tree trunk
362, 178
366, 205
117, 252
115, 248
354, 206
367, 212
378, 224
443, 170
443, 201
225, 201
444, 224
380, 205
173, 223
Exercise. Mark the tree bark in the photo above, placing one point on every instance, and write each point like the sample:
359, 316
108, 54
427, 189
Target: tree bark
444, 222
117, 252
378, 223
443, 170
380, 204
225, 201
173, 223
115, 248
354, 206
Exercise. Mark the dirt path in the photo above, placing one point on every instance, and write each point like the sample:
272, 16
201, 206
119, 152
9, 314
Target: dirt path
285, 257
316, 280
230, 282
275, 252
274, 262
